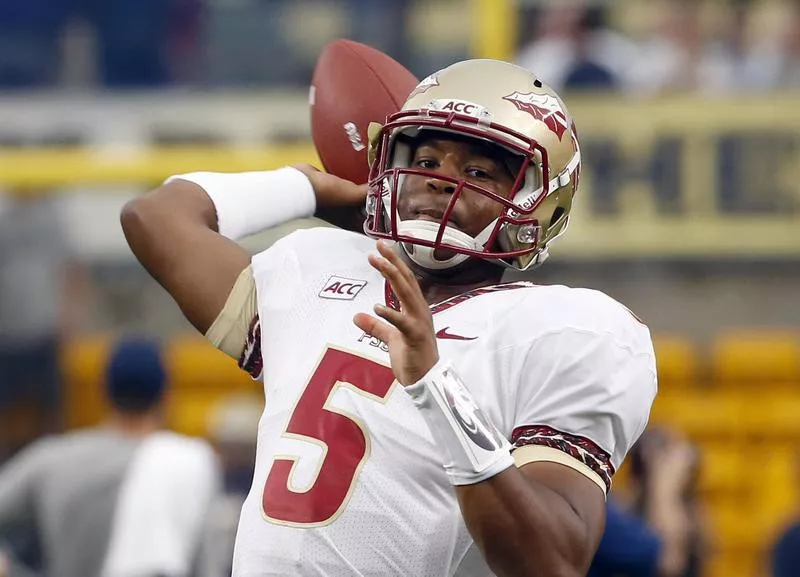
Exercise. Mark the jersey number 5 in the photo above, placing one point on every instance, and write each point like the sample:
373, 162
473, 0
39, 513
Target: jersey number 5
343, 438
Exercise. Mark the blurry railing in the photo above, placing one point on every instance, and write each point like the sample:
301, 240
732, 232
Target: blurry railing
29, 171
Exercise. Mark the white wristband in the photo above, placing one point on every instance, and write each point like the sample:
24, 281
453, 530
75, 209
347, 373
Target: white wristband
475, 449
250, 202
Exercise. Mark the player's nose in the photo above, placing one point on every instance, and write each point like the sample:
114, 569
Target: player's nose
447, 169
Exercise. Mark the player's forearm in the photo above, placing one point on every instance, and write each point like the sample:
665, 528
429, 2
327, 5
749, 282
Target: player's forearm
524, 528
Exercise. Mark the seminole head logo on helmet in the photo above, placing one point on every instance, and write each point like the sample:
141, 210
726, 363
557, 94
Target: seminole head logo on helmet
504, 109
542, 107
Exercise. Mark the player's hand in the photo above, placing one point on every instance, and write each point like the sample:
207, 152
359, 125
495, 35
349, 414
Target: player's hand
409, 332
332, 191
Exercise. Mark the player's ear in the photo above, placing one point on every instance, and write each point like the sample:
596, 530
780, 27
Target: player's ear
373, 131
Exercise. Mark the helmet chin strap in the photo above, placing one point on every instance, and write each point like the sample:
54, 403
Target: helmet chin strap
423, 256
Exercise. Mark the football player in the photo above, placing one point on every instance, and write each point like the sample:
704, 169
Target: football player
421, 417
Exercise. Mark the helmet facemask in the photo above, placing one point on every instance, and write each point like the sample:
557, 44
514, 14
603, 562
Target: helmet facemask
513, 239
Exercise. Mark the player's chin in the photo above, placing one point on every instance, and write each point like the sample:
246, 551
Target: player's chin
472, 267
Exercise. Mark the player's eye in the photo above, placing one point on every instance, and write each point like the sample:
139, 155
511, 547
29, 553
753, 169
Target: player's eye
427, 163
478, 173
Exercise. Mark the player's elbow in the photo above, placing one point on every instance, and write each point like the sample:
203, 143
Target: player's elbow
133, 220
145, 222
177, 203
140, 220
131, 217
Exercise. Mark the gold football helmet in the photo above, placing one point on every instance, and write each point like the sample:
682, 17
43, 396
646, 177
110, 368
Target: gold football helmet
499, 103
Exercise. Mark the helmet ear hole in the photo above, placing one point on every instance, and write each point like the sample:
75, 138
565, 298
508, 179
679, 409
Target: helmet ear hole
557, 214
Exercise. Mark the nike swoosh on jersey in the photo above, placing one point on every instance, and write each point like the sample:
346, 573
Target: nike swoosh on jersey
443, 334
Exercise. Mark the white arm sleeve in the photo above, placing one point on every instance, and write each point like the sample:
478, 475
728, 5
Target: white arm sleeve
250, 202
584, 399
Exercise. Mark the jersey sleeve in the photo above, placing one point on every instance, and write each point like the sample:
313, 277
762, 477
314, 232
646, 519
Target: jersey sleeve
237, 329
583, 399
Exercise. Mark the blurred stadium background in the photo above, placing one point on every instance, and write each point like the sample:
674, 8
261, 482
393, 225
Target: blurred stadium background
689, 210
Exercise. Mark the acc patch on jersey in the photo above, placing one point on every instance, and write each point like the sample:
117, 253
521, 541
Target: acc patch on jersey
342, 289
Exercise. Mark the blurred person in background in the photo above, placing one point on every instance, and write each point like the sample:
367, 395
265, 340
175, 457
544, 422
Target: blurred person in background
573, 49
791, 75
669, 57
233, 430
369, 25
739, 61
30, 35
42, 292
785, 553
127, 43
74, 491
782, 29
661, 534
9, 567
685, 53
144, 43
785, 557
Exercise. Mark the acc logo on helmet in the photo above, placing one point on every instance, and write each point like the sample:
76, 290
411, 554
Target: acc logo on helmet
459, 106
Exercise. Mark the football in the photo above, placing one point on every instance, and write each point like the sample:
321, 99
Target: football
353, 84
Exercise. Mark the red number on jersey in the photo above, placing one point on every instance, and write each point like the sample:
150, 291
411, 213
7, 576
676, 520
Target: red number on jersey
344, 437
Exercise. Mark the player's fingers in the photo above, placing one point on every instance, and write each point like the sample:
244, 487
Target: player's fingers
373, 326
403, 281
411, 299
402, 322
390, 272
393, 256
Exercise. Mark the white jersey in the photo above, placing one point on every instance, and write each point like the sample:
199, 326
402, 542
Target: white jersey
348, 479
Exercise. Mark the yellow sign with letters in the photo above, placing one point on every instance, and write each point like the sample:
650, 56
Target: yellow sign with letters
671, 177
687, 177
